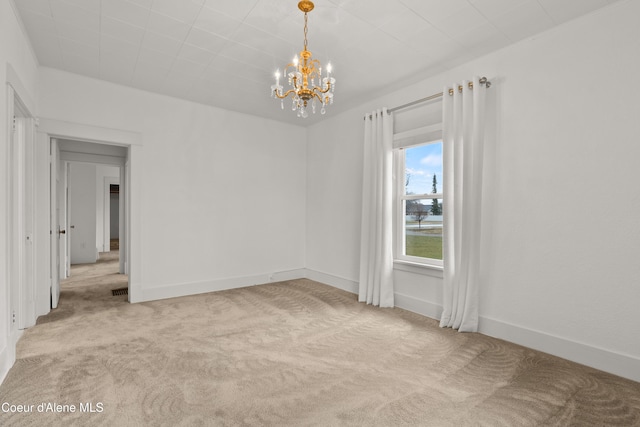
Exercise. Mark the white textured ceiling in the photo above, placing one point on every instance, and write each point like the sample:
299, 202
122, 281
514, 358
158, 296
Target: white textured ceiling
224, 52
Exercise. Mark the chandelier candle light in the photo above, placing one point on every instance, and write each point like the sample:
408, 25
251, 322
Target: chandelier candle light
302, 74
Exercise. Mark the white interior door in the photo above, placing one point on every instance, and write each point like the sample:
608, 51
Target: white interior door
56, 232
109, 213
64, 220
123, 220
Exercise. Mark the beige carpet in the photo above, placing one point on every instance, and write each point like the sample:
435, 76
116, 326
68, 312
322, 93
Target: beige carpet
293, 353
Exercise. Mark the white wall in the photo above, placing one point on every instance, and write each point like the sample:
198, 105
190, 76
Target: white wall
222, 194
561, 156
82, 212
16, 52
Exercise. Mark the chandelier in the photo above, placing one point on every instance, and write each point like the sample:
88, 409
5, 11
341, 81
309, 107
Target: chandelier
302, 75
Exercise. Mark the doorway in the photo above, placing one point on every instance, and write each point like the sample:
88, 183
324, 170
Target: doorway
85, 175
89, 144
112, 217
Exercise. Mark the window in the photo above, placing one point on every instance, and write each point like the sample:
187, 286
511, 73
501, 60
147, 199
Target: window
418, 228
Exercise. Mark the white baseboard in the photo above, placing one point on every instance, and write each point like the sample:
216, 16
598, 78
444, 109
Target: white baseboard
605, 360
335, 281
8, 355
299, 273
418, 306
193, 288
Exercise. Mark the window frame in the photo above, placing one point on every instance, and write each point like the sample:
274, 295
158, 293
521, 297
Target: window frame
400, 198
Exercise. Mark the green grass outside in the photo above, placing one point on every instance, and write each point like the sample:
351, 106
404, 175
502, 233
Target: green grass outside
424, 246
437, 231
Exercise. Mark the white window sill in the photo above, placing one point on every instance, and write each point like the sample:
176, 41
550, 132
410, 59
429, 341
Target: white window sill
417, 268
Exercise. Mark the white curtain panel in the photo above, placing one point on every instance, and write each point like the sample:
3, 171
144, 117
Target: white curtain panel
376, 255
463, 140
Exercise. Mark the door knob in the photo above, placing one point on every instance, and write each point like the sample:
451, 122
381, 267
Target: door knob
62, 231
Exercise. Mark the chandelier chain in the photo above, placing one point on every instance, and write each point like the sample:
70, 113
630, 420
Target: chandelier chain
305, 31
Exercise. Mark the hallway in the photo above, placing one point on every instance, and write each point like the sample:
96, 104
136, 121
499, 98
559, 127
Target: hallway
103, 274
87, 290
86, 322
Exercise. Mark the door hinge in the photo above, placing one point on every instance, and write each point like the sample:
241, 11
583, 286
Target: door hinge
13, 316
14, 124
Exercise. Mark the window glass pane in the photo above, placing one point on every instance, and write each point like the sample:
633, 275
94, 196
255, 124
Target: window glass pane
423, 228
423, 173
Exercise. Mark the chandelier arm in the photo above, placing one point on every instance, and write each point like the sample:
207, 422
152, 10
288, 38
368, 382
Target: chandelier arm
322, 91
287, 93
